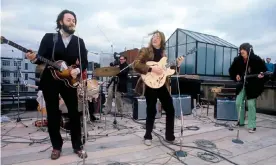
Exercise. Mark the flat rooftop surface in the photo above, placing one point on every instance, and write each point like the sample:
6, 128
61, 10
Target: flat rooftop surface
108, 145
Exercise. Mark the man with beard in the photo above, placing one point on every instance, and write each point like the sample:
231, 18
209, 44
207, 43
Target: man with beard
66, 47
253, 87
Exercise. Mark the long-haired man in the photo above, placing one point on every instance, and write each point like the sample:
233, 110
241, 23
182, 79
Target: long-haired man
154, 52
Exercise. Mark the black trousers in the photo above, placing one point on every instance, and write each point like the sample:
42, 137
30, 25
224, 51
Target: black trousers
167, 104
51, 90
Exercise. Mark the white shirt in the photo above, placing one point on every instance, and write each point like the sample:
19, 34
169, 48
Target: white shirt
66, 39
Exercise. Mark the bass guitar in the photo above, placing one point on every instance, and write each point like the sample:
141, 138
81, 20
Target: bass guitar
59, 69
156, 81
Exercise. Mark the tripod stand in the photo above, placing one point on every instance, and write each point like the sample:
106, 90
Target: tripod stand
18, 119
115, 84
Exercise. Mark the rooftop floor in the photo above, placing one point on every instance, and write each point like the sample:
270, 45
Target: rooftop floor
125, 146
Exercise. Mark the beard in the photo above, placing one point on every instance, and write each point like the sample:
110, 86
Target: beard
67, 29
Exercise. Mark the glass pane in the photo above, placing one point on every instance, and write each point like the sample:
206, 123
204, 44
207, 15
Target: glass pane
190, 60
191, 37
182, 51
234, 53
226, 60
171, 54
167, 51
181, 38
215, 40
167, 43
190, 40
201, 58
218, 60
206, 38
210, 61
172, 40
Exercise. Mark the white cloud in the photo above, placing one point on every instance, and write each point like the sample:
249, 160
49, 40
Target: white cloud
126, 23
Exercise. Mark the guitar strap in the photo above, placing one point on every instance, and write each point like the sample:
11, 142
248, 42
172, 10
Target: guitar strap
55, 39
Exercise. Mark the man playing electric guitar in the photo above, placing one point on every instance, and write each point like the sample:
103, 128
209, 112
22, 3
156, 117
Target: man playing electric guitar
154, 52
67, 49
253, 87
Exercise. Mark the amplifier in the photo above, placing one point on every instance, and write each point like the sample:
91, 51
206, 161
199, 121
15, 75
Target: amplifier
140, 108
186, 103
225, 109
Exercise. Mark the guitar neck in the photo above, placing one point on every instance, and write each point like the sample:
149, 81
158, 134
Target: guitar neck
256, 75
25, 50
173, 63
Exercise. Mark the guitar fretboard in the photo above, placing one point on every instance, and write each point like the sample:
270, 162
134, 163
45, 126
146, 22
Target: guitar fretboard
25, 50
174, 63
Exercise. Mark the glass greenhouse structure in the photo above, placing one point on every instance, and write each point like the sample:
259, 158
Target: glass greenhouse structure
212, 58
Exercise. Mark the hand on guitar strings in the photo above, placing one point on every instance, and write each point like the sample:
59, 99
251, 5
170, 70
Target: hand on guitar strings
238, 78
30, 55
261, 75
74, 72
157, 70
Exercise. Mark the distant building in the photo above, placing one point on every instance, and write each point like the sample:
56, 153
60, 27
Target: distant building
130, 54
10, 73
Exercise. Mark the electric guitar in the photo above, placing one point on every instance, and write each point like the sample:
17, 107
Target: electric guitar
156, 81
267, 73
59, 69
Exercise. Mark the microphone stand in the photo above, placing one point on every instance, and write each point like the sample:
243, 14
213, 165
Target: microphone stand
19, 120
237, 139
115, 87
84, 99
115, 97
180, 152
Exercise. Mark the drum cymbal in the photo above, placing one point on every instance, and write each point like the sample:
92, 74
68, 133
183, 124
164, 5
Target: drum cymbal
106, 71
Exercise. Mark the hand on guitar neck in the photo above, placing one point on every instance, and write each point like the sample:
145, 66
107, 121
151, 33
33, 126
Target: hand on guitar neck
31, 55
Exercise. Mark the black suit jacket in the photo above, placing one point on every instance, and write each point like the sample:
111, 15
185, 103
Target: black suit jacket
70, 54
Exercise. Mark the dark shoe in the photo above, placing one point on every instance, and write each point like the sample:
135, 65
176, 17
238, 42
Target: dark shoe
252, 130
81, 153
55, 154
241, 125
237, 124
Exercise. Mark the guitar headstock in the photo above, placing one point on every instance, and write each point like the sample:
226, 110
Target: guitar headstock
3, 40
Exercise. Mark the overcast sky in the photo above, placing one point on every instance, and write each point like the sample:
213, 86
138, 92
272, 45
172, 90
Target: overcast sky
126, 22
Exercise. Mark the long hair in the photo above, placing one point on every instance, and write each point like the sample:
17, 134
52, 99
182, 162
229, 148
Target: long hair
246, 47
61, 16
163, 40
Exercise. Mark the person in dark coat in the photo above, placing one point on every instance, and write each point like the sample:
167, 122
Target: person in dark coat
253, 86
121, 87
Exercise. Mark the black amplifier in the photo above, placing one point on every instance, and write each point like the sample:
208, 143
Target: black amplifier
140, 108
